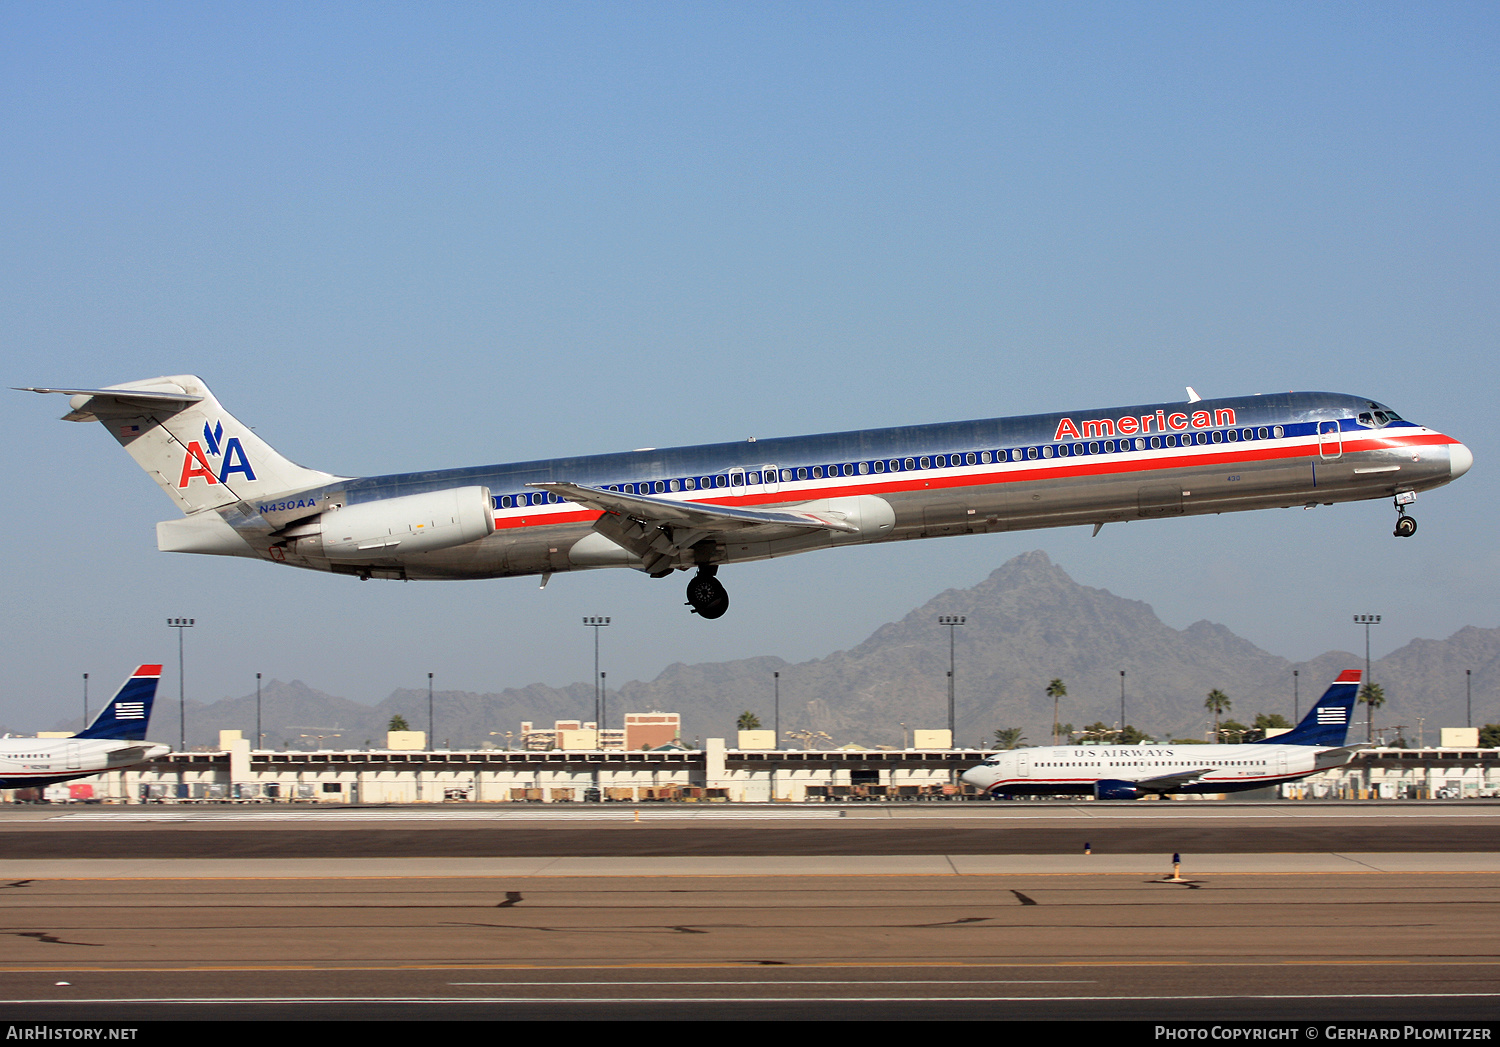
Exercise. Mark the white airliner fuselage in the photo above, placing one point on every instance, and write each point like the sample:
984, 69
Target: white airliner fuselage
115, 739
1127, 772
663, 510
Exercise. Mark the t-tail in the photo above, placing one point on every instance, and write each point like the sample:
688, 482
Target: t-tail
200, 454
1327, 722
129, 711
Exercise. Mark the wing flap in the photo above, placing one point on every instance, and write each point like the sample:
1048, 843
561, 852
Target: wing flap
697, 515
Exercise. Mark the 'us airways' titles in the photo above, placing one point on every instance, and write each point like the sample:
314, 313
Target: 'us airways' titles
698, 508
1128, 772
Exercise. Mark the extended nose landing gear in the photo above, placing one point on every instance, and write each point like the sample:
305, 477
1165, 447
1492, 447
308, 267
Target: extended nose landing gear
706, 595
1406, 526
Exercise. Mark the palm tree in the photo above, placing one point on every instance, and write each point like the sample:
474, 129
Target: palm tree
1008, 737
748, 721
1218, 702
1055, 690
1373, 696
398, 723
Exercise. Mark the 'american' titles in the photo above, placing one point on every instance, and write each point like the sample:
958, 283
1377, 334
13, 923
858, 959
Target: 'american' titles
1160, 422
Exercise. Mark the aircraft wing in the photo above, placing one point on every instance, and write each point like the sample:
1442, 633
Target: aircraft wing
658, 529
1171, 782
692, 514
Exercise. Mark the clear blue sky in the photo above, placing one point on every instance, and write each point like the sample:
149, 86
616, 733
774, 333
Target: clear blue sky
395, 236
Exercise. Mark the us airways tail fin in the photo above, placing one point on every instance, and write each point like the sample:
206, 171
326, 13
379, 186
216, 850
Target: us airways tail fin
1327, 722
200, 454
129, 711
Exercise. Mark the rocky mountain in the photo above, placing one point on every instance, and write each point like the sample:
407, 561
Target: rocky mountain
1027, 623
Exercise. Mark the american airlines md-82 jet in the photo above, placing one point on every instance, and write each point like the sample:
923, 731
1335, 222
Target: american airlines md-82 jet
697, 508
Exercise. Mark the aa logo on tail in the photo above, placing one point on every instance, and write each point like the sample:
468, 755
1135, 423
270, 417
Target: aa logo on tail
231, 454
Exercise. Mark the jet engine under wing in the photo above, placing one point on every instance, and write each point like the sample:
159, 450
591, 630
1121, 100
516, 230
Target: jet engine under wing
658, 530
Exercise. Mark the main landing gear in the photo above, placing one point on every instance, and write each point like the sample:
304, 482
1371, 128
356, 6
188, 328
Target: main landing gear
1406, 526
706, 595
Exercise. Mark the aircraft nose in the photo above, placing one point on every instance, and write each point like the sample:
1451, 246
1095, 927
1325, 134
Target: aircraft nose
975, 777
1459, 460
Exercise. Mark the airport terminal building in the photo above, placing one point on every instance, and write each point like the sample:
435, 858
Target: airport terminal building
713, 773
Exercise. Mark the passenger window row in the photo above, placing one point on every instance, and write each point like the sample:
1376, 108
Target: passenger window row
756, 478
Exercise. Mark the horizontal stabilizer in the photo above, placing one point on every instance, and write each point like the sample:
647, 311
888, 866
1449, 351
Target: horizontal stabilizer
84, 400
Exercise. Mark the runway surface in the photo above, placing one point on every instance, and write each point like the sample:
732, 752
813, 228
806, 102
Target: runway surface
881, 918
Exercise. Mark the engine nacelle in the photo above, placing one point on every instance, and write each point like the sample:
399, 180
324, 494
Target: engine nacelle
1114, 789
413, 523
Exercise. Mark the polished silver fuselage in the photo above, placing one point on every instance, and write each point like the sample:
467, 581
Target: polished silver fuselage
1005, 474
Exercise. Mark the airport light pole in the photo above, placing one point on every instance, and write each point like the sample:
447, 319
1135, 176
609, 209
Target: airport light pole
431, 727
1468, 696
952, 621
1296, 699
260, 737
596, 623
85, 701
603, 704
1368, 620
180, 624
1122, 705
776, 707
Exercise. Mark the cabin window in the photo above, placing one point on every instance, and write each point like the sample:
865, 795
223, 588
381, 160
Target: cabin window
1278, 431
970, 458
909, 464
802, 473
689, 484
737, 479
1233, 436
926, 463
1155, 442
752, 478
984, 456
817, 472
721, 480
1218, 437
880, 467
864, 467
1263, 433
786, 475
673, 485
1047, 451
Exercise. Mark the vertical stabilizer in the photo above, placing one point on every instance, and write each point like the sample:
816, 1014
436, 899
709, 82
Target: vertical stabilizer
200, 454
129, 711
1327, 722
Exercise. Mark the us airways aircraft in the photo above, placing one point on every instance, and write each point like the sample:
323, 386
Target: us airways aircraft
697, 508
1128, 772
116, 738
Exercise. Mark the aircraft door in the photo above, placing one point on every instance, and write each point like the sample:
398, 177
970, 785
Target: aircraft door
70, 756
1330, 441
770, 479
1023, 766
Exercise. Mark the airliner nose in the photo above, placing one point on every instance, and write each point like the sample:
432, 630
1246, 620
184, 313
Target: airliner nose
975, 776
1459, 460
